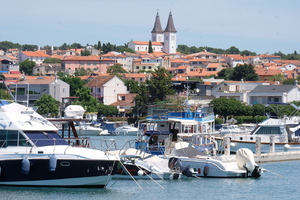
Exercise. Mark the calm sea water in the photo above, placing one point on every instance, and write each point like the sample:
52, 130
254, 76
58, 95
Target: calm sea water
281, 182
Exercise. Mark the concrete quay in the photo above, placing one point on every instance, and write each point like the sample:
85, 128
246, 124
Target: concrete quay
271, 156
277, 156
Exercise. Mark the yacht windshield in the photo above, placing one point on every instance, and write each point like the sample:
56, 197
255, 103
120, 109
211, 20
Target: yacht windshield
45, 138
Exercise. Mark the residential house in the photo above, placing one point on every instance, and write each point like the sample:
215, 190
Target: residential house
211, 57
178, 62
48, 69
8, 65
236, 89
139, 77
36, 56
13, 78
215, 67
33, 87
125, 103
235, 59
92, 63
107, 88
130, 57
198, 63
265, 94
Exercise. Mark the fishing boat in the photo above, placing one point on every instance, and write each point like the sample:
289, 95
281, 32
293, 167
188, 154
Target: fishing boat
32, 153
163, 127
241, 165
283, 132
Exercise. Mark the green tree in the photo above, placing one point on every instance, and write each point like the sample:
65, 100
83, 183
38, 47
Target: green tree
226, 73
27, 66
47, 105
290, 81
150, 49
258, 109
85, 53
245, 72
115, 69
86, 99
64, 46
227, 107
82, 72
52, 60
233, 50
160, 84
132, 85
29, 47
142, 100
107, 110
74, 82
99, 45
277, 77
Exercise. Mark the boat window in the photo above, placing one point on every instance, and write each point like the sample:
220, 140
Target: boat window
11, 138
45, 138
269, 130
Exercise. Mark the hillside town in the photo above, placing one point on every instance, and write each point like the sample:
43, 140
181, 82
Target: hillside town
197, 70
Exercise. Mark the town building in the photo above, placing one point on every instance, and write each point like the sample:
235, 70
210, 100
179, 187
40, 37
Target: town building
161, 40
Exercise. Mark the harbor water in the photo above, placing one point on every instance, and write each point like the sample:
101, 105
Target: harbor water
279, 182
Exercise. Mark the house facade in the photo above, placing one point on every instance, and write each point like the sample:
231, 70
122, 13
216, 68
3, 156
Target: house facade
36, 56
28, 91
265, 94
235, 89
92, 63
107, 88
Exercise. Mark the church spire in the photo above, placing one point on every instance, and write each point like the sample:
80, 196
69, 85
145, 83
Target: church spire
170, 26
157, 26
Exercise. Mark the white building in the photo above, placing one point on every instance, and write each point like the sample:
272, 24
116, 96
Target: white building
107, 88
162, 41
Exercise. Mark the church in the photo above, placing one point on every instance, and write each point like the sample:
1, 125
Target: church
162, 40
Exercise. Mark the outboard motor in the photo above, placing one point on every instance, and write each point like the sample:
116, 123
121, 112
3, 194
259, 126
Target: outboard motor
175, 164
245, 160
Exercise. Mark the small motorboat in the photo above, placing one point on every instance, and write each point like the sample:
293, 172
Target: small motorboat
241, 165
127, 130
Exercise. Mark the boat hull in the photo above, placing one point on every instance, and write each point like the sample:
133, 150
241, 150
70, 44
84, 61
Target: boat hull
213, 169
68, 173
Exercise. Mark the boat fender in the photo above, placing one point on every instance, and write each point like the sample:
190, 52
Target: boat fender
205, 170
140, 172
25, 166
52, 163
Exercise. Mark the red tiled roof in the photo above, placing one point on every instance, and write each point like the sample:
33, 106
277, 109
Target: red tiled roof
35, 54
147, 43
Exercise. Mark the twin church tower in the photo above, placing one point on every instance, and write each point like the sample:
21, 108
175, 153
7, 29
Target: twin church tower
167, 36
162, 40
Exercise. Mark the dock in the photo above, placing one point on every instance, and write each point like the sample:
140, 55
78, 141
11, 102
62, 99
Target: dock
271, 156
277, 156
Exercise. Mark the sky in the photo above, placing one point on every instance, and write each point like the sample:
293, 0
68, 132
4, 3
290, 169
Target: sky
261, 26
